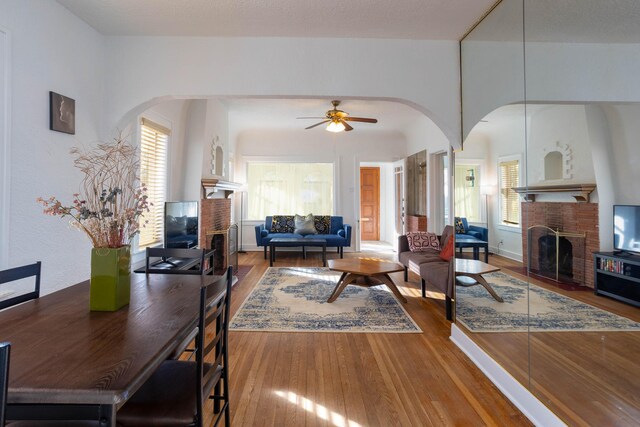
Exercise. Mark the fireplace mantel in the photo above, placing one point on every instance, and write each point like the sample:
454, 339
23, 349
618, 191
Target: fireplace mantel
580, 192
212, 185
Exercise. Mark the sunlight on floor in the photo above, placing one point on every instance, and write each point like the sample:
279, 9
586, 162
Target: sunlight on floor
310, 273
376, 246
322, 412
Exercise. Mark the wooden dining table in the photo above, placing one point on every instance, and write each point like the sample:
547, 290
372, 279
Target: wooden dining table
71, 363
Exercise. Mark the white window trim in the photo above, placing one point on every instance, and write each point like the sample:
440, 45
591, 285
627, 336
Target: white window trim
501, 225
296, 159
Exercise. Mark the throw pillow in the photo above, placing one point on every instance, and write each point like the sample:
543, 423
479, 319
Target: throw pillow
283, 224
459, 226
421, 241
322, 224
305, 225
447, 252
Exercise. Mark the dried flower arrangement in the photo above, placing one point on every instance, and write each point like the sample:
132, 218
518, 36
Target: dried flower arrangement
111, 200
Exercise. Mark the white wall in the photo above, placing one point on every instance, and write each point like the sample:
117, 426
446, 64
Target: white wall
423, 73
346, 150
217, 125
550, 125
51, 50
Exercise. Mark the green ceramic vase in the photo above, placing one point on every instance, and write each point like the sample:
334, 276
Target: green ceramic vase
110, 278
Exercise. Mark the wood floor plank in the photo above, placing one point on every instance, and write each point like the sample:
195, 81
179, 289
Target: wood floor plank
586, 378
357, 379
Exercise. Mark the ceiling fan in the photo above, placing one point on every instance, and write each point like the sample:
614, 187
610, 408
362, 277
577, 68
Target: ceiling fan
338, 119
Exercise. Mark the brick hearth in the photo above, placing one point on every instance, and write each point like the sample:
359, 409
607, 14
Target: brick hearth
568, 217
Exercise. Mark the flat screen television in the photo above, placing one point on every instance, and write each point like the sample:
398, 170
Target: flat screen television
626, 228
180, 224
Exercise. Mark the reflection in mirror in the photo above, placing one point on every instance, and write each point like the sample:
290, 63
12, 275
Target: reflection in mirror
553, 165
577, 352
491, 292
582, 63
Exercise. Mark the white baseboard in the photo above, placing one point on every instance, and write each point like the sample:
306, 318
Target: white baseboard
518, 394
507, 254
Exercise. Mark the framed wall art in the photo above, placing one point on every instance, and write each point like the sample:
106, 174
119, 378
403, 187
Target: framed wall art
62, 113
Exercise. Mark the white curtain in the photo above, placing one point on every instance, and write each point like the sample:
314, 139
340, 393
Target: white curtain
289, 188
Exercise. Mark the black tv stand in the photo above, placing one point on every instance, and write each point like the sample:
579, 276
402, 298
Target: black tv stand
617, 275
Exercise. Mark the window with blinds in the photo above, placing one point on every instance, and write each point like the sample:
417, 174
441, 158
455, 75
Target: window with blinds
154, 140
509, 201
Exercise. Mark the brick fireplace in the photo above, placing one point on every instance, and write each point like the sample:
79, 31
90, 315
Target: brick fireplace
215, 223
572, 221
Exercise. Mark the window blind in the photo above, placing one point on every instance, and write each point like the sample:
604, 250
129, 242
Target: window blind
509, 201
154, 141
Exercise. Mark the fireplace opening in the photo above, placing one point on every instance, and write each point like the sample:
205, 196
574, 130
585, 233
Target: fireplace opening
555, 255
218, 243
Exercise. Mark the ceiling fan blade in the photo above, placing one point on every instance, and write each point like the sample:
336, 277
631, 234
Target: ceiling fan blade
347, 127
361, 119
322, 117
318, 124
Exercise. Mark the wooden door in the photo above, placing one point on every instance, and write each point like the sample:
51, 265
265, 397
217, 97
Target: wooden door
370, 203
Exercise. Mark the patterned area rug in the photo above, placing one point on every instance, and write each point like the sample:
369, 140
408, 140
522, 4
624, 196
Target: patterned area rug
294, 299
479, 312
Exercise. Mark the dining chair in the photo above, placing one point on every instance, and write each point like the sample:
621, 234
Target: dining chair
176, 393
170, 260
19, 273
5, 350
164, 261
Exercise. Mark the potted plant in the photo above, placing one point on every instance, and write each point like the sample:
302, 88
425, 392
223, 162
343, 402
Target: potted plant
107, 208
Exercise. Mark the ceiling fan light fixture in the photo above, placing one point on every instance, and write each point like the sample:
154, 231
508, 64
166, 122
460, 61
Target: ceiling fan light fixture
335, 126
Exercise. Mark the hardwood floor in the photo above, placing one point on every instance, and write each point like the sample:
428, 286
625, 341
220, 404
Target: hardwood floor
357, 379
586, 378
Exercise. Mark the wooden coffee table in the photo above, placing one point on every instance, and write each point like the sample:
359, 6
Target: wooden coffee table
364, 272
469, 273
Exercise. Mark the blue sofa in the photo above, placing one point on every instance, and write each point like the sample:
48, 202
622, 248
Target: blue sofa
474, 237
338, 236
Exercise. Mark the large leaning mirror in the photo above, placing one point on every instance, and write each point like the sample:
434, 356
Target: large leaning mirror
492, 303
582, 66
574, 122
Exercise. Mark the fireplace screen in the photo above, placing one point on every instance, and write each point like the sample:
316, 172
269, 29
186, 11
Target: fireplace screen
225, 242
556, 255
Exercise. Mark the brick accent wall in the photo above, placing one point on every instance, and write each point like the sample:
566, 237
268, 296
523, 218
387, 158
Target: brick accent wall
568, 217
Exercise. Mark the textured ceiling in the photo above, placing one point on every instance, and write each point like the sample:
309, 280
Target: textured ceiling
406, 19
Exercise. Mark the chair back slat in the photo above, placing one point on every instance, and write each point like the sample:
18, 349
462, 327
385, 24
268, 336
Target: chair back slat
211, 344
5, 349
212, 317
19, 273
214, 311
